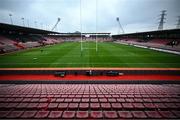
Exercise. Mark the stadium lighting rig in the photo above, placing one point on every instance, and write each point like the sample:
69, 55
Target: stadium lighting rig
55, 26
23, 21
178, 23
10, 16
120, 26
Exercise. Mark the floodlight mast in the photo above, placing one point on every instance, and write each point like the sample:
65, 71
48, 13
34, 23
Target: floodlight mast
120, 26
23, 21
59, 19
178, 23
10, 15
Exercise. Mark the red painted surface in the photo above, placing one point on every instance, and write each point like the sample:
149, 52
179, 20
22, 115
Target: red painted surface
83, 77
90, 68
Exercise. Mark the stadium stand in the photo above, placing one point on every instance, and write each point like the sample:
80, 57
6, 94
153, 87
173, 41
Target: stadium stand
16, 42
90, 101
30, 44
50, 40
13, 38
156, 43
165, 39
61, 98
160, 41
5, 40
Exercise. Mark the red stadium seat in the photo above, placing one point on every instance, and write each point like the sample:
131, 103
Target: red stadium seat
81, 102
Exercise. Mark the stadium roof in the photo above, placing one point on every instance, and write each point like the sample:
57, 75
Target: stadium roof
21, 29
83, 34
169, 31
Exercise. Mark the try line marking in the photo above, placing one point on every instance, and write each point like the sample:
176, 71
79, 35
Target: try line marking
87, 63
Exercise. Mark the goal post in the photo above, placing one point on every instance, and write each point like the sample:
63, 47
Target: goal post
96, 41
86, 42
83, 35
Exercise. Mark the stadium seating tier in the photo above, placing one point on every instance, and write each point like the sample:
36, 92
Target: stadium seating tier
89, 101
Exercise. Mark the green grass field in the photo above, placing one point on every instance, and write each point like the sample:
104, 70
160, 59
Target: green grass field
109, 55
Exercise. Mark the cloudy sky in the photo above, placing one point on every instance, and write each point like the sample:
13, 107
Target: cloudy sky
135, 15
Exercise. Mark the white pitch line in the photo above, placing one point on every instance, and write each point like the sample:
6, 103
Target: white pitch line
88, 63
77, 55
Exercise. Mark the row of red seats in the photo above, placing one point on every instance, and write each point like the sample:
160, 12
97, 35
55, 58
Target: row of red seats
89, 101
160, 41
90, 106
91, 114
9, 45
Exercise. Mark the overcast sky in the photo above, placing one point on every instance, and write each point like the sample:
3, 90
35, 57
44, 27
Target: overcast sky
135, 15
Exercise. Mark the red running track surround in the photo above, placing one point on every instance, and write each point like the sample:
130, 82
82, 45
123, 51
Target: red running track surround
83, 77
